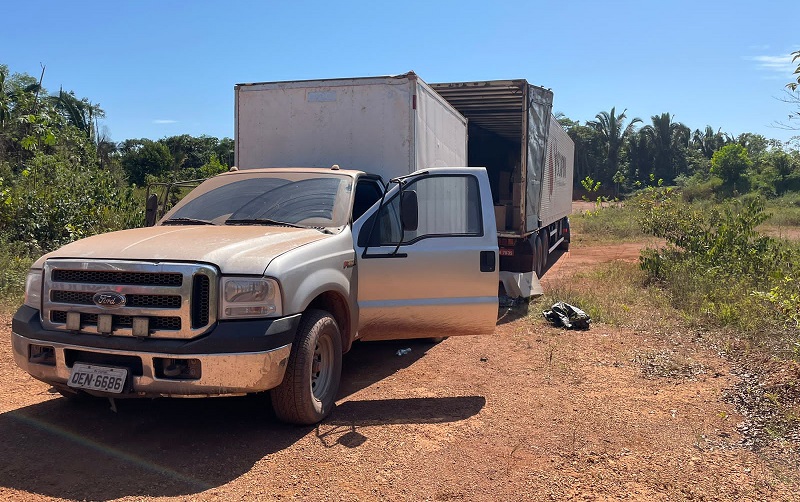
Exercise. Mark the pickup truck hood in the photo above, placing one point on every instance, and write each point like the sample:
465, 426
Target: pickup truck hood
234, 249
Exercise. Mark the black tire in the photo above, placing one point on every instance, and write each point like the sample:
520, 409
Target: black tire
308, 391
436, 339
545, 251
564, 246
537, 256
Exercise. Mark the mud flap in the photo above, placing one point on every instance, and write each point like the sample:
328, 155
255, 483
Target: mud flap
521, 284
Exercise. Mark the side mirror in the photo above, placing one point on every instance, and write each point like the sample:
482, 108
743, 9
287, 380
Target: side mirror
151, 209
409, 210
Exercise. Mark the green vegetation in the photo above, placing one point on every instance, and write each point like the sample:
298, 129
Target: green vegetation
608, 222
61, 179
718, 269
15, 260
784, 211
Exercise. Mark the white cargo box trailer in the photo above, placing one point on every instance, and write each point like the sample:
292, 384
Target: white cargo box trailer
530, 160
390, 126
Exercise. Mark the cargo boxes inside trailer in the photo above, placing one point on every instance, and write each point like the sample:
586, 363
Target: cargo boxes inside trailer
528, 155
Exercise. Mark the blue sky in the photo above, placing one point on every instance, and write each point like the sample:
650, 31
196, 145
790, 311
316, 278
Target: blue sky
160, 68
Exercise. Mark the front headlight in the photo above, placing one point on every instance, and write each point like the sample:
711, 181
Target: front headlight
249, 297
33, 288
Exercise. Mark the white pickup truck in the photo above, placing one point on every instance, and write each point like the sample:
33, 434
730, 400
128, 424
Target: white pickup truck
261, 279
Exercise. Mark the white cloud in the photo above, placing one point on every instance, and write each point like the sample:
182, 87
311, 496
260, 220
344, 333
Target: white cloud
778, 64
165, 121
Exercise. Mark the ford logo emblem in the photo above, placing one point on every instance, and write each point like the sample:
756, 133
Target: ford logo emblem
109, 299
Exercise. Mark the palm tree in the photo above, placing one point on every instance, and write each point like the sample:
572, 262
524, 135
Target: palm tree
667, 139
80, 113
640, 156
708, 141
613, 133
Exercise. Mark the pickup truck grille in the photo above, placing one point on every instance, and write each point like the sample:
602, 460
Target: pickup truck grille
115, 277
157, 300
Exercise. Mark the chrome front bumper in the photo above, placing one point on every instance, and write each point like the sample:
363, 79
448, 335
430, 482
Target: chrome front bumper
221, 374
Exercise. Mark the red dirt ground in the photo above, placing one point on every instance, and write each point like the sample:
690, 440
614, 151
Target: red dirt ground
531, 413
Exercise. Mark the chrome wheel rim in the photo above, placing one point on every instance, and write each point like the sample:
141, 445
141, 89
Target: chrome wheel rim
322, 367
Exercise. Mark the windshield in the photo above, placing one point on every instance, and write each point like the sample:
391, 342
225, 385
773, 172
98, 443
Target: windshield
304, 199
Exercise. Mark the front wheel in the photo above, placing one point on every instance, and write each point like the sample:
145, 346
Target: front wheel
308, 391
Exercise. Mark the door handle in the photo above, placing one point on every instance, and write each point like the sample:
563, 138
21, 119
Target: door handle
487, 261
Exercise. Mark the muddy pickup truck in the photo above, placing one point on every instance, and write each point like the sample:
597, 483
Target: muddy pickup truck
259, 280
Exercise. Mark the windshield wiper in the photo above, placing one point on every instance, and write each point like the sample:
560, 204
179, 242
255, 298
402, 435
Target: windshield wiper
186, 221
262, 221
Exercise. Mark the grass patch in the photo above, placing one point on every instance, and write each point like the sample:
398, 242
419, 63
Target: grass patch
614, 223
784, 211
611, 293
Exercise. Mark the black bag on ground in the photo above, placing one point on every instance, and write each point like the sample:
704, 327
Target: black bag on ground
568, 316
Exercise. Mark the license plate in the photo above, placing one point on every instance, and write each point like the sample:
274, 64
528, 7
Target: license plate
506, 252
100, 378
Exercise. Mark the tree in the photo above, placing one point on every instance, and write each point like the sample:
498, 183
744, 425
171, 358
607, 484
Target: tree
708, 141
80, 113
730, 162
640, 157
613, 133
190, 152
755, 144
792, 96
668, 140
589, 155
225, 151
795, 59
140, 157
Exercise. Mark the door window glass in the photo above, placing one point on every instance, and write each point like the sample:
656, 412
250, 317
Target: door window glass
448, 206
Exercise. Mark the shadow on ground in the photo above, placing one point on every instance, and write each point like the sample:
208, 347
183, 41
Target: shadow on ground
178, 447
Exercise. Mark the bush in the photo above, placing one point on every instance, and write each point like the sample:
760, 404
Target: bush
730, 162
718, 268
699, 189
53, 202
15, 260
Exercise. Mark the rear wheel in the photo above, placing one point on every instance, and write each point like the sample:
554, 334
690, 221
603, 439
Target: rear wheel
537, 256
564, 246
545, 251
308, 391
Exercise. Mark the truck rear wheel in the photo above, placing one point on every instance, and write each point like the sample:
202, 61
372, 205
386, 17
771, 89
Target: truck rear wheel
308, 391
537, 256
564, 231
545, 251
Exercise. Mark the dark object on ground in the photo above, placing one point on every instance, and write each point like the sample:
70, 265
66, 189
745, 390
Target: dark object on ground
568, 316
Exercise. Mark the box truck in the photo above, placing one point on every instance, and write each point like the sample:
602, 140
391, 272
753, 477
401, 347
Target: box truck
392, 126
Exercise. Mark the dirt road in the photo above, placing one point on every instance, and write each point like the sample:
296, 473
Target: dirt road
533, 413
